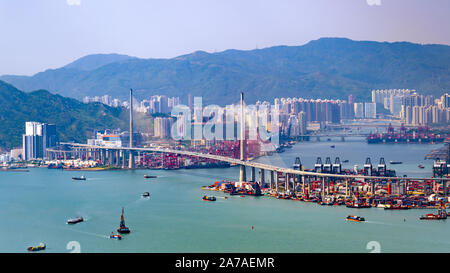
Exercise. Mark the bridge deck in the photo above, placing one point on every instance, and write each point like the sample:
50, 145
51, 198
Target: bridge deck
251, 164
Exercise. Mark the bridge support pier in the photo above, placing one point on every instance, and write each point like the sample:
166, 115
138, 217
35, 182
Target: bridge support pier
286, 182
272, 179
124, 159
303, 185
242, 174
347, 190
323, 187
252, 174
131, 162
261, 177
276, 182
444, 187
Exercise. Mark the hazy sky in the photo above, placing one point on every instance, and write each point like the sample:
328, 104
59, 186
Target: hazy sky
41, 34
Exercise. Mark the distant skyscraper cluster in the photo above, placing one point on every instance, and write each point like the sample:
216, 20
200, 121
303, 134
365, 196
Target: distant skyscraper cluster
37, 138
106, 99
420, 110
297, 113
413, 108
156, 104
162, 127
391, 99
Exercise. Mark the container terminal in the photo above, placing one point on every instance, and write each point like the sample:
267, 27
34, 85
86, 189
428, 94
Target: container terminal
386, 194
421, 135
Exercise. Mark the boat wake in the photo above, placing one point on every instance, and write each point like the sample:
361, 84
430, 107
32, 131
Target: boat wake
102, 178
380, 223
89, 233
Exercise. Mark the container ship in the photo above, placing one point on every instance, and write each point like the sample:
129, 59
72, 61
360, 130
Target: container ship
421, 135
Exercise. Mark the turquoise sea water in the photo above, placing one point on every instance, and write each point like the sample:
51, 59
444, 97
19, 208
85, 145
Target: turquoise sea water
35, 207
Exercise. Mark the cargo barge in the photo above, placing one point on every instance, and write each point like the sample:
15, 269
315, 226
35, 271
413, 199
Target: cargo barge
421, 135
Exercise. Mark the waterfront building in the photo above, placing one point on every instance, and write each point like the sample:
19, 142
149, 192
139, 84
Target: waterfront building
379, 96
293, 128
106, 99
37, 139
359, 109
313, 126
6, 157
16, 154
106, 139
162, 127
351, 99
302, 122
445, 100
370, 110
395, 105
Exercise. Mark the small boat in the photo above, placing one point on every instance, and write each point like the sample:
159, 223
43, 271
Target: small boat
75, 220
345, 161
355, 218
115, 236
209, 198
79, 178
421, 166
395, 162
149, 176
41, 246
332, 146
146, 194
122, 228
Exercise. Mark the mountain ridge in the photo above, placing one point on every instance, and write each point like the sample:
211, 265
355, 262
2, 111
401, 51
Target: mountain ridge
326, 68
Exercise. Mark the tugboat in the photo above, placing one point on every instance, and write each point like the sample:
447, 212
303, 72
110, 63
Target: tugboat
79, 178
41, 246
209, 198
122, 228
146, 194
115, 236
149, 176
74, 221
355, 218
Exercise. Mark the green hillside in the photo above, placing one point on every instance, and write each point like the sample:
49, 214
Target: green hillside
75, 121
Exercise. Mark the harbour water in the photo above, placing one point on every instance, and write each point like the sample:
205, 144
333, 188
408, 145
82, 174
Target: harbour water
35, 206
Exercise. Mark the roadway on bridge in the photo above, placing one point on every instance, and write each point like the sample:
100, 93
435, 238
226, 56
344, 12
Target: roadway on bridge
249, 163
